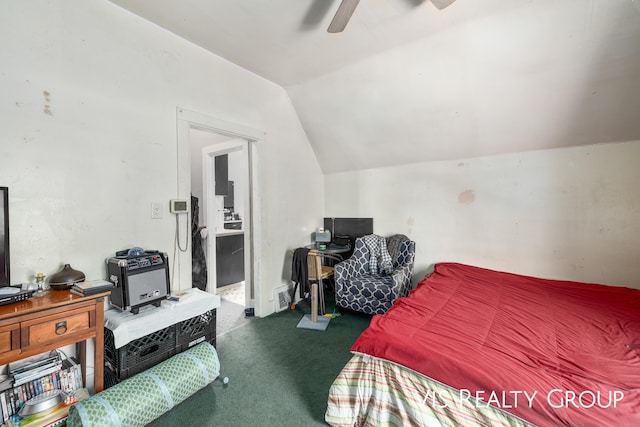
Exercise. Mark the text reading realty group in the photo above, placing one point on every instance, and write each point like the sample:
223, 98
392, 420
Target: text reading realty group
555, 398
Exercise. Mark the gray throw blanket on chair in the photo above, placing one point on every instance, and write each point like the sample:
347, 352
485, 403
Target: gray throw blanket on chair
377, 246
393, 245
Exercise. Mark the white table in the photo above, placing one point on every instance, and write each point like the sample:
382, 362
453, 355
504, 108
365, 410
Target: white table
127, 326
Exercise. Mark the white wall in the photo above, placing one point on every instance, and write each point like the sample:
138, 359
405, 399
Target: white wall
570, 213
521, 75
88, 116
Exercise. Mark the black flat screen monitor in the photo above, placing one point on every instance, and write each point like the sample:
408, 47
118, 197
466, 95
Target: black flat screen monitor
349, 227
5, 276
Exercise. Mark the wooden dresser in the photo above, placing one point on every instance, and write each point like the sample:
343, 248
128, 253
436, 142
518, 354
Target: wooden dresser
55, 320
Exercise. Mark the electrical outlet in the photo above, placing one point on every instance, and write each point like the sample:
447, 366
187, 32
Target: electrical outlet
156, 210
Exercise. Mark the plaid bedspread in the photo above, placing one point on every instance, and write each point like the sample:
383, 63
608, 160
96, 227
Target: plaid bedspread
374, 392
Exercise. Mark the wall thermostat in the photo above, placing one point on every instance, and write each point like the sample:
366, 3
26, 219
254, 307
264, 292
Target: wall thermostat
178, 206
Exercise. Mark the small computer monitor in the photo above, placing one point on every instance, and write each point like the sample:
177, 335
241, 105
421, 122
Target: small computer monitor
348, 228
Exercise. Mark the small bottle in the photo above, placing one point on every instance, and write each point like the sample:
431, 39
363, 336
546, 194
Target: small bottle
40, 283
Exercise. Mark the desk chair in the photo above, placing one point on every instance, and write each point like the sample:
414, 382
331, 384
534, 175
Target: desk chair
316, 273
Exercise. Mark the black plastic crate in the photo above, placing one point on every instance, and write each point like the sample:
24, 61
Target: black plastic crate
139, 354
110, 377
195, 330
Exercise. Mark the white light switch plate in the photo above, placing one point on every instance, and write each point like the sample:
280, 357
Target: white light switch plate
156, 210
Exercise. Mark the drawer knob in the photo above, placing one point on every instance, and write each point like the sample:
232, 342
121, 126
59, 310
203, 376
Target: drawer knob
61, 327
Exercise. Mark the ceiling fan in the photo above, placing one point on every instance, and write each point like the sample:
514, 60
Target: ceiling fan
347, 7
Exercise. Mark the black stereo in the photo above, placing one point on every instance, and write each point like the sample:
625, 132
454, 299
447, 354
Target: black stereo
139, 280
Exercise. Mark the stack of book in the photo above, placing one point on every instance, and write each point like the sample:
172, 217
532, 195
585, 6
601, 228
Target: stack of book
34, 378
30, 371
91, 287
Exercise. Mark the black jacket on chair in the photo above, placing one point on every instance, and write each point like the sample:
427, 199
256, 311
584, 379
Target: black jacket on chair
300, 270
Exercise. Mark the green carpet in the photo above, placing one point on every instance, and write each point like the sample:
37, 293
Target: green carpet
279, 375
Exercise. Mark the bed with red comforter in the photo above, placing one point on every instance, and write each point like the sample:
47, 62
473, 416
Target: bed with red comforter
471, 346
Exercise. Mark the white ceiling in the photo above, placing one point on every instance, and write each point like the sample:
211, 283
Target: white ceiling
406, 82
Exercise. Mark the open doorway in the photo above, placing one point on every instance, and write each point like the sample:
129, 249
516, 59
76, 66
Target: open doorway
219, 195
201, 140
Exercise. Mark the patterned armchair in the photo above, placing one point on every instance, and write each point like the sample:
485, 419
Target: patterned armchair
359, 289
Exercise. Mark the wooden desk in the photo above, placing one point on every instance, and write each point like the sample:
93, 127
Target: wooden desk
55, 320
330, 248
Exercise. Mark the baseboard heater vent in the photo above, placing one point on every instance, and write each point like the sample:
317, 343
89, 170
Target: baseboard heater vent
282, 298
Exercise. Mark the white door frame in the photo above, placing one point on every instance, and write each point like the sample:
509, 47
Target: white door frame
189, 119
209, 153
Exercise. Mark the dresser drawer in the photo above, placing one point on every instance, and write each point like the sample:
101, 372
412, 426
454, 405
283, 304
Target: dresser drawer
9, 339
55, 328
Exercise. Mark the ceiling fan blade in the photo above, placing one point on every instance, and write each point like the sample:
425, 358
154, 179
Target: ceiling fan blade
441, 4
342, 16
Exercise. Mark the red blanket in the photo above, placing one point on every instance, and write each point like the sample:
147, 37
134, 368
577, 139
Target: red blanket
551, 352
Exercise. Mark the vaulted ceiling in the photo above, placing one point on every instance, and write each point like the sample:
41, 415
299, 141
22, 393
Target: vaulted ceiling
406, 82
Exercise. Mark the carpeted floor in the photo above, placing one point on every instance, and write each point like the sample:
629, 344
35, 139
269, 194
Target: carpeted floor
279, 375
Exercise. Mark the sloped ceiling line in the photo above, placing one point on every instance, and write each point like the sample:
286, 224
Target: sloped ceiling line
407, 82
